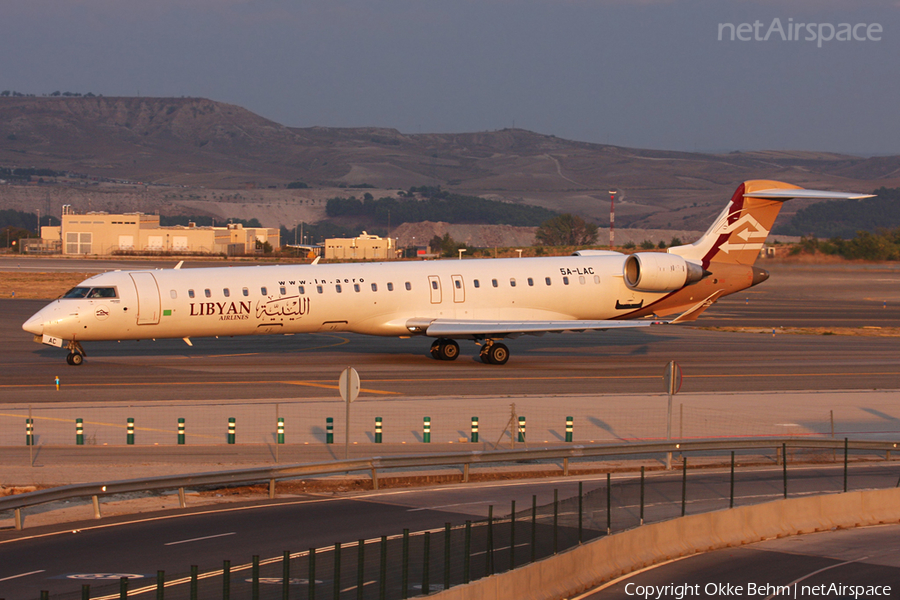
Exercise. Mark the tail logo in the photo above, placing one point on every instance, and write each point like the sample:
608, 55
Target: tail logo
746, 228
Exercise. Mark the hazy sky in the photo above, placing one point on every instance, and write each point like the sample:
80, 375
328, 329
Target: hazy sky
645, 73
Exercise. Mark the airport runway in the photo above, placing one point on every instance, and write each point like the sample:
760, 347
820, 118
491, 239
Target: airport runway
301, 366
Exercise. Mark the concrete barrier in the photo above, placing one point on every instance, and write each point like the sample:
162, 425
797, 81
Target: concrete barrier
581, 568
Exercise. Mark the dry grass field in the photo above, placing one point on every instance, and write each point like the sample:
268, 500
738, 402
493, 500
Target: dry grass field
36, 286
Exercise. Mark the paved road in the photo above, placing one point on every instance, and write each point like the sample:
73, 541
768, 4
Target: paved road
42, 558
865, 557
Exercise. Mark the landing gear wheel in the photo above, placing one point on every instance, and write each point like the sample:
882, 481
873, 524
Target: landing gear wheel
495, 354
69, 357
436, 350
74, 359
448, 350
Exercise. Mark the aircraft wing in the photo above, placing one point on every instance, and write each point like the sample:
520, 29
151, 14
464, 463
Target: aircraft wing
455, 328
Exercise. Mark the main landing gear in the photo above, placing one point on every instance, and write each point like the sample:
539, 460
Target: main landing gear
445, 350
76, 353
492, 353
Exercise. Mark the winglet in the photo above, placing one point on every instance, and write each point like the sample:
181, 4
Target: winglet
180, 262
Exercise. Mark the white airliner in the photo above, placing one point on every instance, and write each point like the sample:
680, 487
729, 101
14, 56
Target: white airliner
482, 300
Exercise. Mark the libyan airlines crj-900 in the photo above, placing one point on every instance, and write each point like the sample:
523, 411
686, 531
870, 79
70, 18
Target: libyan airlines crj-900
481, 300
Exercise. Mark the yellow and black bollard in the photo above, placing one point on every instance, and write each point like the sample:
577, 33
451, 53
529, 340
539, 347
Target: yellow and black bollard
231, 428
378, 424
79, 432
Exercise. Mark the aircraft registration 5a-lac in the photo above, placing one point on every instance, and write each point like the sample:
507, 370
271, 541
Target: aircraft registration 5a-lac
481, 300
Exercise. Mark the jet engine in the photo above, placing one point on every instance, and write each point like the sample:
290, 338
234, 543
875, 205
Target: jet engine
658, 272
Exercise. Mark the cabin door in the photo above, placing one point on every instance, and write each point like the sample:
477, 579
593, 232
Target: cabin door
434, 286
148, 297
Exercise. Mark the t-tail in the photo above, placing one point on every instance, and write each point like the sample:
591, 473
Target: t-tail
740, 231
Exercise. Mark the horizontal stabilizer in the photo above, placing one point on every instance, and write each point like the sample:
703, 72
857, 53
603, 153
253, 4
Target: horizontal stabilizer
788, 194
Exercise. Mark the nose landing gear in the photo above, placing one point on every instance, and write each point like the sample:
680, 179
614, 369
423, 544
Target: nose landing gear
76, 354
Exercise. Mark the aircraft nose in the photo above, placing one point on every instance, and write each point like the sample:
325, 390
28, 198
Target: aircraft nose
35, 324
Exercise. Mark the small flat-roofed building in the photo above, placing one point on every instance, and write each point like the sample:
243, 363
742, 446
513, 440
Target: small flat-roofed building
363, 247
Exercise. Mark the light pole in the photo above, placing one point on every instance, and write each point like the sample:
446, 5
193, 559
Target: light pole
612, 219
461, 250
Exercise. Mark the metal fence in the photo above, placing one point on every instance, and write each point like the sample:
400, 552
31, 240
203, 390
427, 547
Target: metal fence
411, 564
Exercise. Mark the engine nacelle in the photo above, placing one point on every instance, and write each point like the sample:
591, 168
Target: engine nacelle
659, 272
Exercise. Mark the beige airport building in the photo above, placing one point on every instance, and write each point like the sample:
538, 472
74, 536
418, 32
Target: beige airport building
362, 247
100, 233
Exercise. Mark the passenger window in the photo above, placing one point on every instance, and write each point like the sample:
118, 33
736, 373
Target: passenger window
226, 292
512, 282
374, 287
319, 288
283, 291
530, 282
390, 286
245, 291
547, 280
207, 293
174, 294
596, 279
565, 281
263, 291
355, 287
408, 286
433, 284
494, 282
458, 284
301, 289
190, 293
476, 283
581, 279
337, 288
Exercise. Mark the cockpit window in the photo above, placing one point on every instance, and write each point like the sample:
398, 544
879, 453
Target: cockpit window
86, 292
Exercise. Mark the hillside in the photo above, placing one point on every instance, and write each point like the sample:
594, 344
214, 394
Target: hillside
197, 151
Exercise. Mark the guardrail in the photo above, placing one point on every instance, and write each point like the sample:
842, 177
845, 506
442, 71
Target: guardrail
373, 465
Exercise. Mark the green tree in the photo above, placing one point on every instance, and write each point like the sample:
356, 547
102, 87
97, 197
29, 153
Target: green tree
566, 230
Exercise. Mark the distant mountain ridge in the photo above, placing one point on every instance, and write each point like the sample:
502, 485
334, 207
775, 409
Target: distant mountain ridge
198, 142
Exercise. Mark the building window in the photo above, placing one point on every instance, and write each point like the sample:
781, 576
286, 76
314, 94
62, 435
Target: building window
512, 282
174, 294
319, 288
476, 283
374, 287
565, 281
390, 286
301, 289
547, 280
190, 293
408, 286
263, 291
245, 291
226, 292
337, 288
207, 293
494, 282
